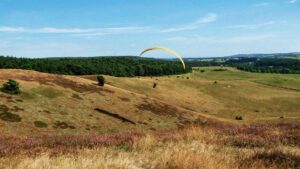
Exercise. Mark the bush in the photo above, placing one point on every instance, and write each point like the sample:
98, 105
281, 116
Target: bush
101, 80
154, 85
220, 70
238, 118
11, 87
40, 124
10, 117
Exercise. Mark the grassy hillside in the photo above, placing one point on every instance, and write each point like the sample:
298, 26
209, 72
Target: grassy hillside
56, 104
187, 121
224, 94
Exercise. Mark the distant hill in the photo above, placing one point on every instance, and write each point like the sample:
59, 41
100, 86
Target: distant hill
286, 63
271, 55
254, 55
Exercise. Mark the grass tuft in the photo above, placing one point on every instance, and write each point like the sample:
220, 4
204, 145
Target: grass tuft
40, 124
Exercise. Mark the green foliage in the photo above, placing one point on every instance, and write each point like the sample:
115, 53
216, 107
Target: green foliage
114, 66
272, 65
10, 117
11, 87
101, 80
40, 124
219, 70
260, 65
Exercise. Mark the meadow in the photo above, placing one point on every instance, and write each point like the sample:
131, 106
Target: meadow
225, 94
209, 146
187, 121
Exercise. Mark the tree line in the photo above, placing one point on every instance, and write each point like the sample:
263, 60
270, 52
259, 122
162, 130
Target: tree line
125, 66
272, 65
261, 65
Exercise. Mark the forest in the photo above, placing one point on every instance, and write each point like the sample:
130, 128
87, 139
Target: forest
130, 66
272, 65
261, 65
123, 66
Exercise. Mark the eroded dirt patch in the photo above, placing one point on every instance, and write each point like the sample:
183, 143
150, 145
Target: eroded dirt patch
76, 96
125, 99
158, 108
62, 125
4, 108
16, 109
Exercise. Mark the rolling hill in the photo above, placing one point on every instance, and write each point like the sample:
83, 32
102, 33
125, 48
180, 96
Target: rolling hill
225, 94
57, 104
70, 122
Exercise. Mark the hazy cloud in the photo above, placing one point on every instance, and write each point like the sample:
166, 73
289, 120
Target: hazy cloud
92, 32
254, 26
235, 39
52, 30
212, 17
263, 4
292, 1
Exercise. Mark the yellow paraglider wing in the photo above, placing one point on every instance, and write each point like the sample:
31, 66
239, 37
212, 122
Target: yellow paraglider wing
167, 50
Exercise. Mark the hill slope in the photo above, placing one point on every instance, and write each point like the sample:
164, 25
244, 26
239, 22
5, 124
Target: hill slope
73, 105
225, 94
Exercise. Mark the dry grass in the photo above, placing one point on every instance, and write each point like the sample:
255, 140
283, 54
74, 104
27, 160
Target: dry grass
75, 130
69, 104
193, 147
235, 94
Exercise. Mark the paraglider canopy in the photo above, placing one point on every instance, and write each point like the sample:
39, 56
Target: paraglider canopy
166, 50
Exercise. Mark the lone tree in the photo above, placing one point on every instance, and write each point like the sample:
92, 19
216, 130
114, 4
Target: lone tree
11, 87
101, 80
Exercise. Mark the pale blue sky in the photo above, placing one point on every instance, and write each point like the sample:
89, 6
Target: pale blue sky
194, 28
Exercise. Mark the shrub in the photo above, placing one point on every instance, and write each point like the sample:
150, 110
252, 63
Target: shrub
238, 118
154, 85
11, 87
9, 117
219, 70
40, 124
101, 80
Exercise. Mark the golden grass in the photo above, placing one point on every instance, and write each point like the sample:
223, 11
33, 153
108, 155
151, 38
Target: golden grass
235, 94
214, 145
191, 148
73, 100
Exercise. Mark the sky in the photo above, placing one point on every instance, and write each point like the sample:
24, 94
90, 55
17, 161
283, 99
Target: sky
193, 28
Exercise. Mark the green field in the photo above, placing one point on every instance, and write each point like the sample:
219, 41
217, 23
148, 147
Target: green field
277, 80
